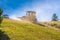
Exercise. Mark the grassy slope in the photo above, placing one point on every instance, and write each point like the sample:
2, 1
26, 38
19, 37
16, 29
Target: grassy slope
17, 30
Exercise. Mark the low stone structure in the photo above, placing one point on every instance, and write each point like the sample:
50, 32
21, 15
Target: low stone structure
30, 16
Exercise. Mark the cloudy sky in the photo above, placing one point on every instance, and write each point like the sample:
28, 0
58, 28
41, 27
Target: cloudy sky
44, 8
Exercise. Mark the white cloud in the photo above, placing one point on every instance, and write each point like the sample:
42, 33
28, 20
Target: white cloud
44, 11
14, 17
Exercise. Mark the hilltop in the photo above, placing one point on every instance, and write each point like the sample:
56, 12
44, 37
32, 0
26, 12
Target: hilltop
19, 30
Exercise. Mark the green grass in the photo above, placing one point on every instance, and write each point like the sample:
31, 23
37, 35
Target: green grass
17, 30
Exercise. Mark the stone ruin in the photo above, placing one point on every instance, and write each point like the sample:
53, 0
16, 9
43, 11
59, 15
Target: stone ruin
30, 16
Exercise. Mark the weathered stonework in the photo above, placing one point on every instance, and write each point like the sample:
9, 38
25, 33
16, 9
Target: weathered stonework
30, 16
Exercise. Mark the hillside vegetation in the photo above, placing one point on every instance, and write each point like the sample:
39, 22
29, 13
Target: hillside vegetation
18, 30
55, 24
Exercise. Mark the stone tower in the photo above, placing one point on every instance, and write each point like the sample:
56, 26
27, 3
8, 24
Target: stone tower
30, 16
31, 13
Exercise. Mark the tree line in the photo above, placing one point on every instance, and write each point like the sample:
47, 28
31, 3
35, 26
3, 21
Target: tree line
54, 16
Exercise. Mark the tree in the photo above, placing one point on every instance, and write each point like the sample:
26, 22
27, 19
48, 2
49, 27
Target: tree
4, 36
1, 16
5, 16
54, 17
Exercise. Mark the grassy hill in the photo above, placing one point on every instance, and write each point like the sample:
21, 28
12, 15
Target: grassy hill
18, 30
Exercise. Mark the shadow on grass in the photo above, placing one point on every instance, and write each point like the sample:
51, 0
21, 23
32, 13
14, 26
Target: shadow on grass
3, 36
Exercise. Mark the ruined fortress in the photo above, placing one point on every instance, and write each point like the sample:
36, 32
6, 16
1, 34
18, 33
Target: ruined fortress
30, 16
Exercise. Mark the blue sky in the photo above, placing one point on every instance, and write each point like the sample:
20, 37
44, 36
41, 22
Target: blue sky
44, 8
